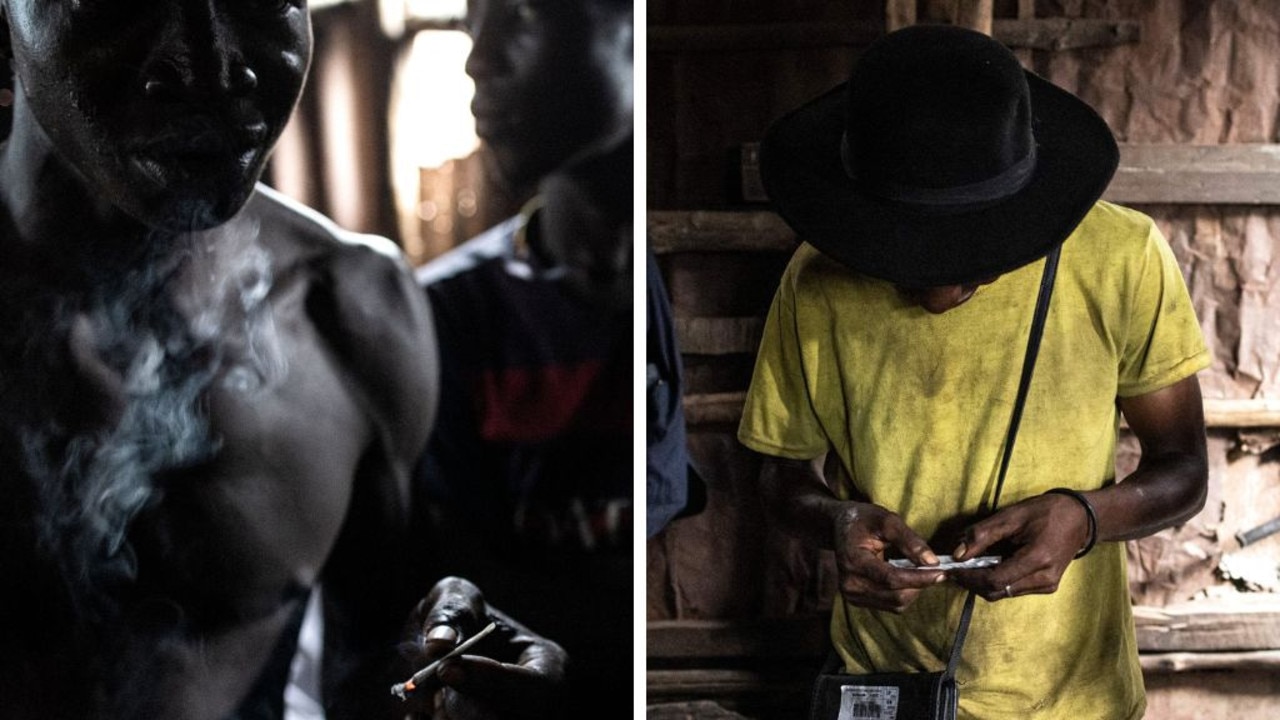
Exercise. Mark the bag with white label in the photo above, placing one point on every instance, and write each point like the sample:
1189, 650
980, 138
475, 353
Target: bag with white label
890, 696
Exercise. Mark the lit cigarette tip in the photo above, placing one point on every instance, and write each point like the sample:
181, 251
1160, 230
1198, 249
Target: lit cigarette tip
408, 686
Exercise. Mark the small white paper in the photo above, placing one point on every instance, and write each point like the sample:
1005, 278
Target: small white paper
946, 562
863, 702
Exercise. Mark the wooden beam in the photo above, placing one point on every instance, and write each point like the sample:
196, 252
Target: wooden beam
705, 683
1213, 627
714, 408
1243, 413
972, 14
708, 231
697, 710
772, 37
1039, 34
797, 636
1058, 34
718, 336
1221, 174
720, 408
1026, 11
1166, 663
1246, 174
899, 14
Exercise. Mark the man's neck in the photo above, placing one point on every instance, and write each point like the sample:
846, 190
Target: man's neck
585, 223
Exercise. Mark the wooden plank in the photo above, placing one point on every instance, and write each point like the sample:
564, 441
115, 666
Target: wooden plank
718, 683
697, 710
714, 408
1026, 11
1165, 663
1250, 413
720, 408
1223, 174
972, 14
718, 336
1247, 174
1035, 33
1057, 34
1204, 626
710, 231
899, 14
760, 38
774, 638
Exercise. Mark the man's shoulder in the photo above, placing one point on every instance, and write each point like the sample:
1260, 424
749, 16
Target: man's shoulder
1112, 229
360, 297
295, 233
492, 244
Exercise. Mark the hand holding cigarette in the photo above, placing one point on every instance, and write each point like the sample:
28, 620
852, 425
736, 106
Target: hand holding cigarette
502, 671
401, 690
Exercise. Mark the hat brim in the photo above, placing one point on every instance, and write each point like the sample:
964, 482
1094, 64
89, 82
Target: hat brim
922, 247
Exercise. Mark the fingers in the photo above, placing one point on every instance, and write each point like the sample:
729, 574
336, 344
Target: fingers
517, 685
1044, 550
479, 687
981, 536
453, 610
866, 579
906, 541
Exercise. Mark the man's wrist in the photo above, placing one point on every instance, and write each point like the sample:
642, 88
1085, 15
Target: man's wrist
1091, 517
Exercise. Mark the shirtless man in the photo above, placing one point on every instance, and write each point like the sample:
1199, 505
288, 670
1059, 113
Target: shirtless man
210, 397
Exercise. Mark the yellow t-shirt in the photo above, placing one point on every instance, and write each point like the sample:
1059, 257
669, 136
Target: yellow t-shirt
916, 406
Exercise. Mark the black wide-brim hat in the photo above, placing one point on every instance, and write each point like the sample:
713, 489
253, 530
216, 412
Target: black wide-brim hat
940, 162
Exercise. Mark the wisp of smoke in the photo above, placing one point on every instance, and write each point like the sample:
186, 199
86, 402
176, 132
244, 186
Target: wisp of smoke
168, 355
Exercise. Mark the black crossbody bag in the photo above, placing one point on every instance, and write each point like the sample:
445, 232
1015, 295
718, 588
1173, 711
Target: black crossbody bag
927, 696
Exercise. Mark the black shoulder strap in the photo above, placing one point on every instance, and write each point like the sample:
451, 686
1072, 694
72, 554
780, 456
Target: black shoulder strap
1028, 367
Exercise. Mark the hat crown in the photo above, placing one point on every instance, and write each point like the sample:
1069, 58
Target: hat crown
939, 115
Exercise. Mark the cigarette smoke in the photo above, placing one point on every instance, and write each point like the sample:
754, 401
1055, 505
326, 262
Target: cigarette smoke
168, 336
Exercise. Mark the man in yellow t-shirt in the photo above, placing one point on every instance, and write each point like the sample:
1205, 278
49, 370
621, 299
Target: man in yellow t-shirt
928, 190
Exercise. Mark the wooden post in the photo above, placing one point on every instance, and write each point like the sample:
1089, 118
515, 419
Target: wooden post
1026, 11
973, 14
899, 14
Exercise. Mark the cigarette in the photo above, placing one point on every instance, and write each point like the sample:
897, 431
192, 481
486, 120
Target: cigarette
400, 690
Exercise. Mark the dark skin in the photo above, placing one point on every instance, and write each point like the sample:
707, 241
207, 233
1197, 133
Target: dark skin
553, 105
138, 135
1045, 531
553, 82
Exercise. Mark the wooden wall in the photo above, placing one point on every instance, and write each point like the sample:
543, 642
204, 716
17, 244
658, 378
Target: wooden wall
1192, 91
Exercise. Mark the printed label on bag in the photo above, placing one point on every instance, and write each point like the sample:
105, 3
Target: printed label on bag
861, 702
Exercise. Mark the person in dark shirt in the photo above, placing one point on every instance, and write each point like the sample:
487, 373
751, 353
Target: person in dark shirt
531, 460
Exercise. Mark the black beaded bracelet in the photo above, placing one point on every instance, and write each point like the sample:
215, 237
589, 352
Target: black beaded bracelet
1088, 510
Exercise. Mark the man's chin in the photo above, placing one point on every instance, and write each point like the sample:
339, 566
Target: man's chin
518, 171
191, 210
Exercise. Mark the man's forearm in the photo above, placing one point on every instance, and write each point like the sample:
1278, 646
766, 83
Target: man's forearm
1170, 484
1162, 492
797, 500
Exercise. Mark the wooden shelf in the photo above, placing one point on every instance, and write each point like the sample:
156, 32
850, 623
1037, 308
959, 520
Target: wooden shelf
1035, 34
710, 231
718, 336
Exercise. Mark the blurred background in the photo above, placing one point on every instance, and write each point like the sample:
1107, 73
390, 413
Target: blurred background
383, 140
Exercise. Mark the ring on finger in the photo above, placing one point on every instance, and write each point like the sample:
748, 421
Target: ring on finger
1008, 591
